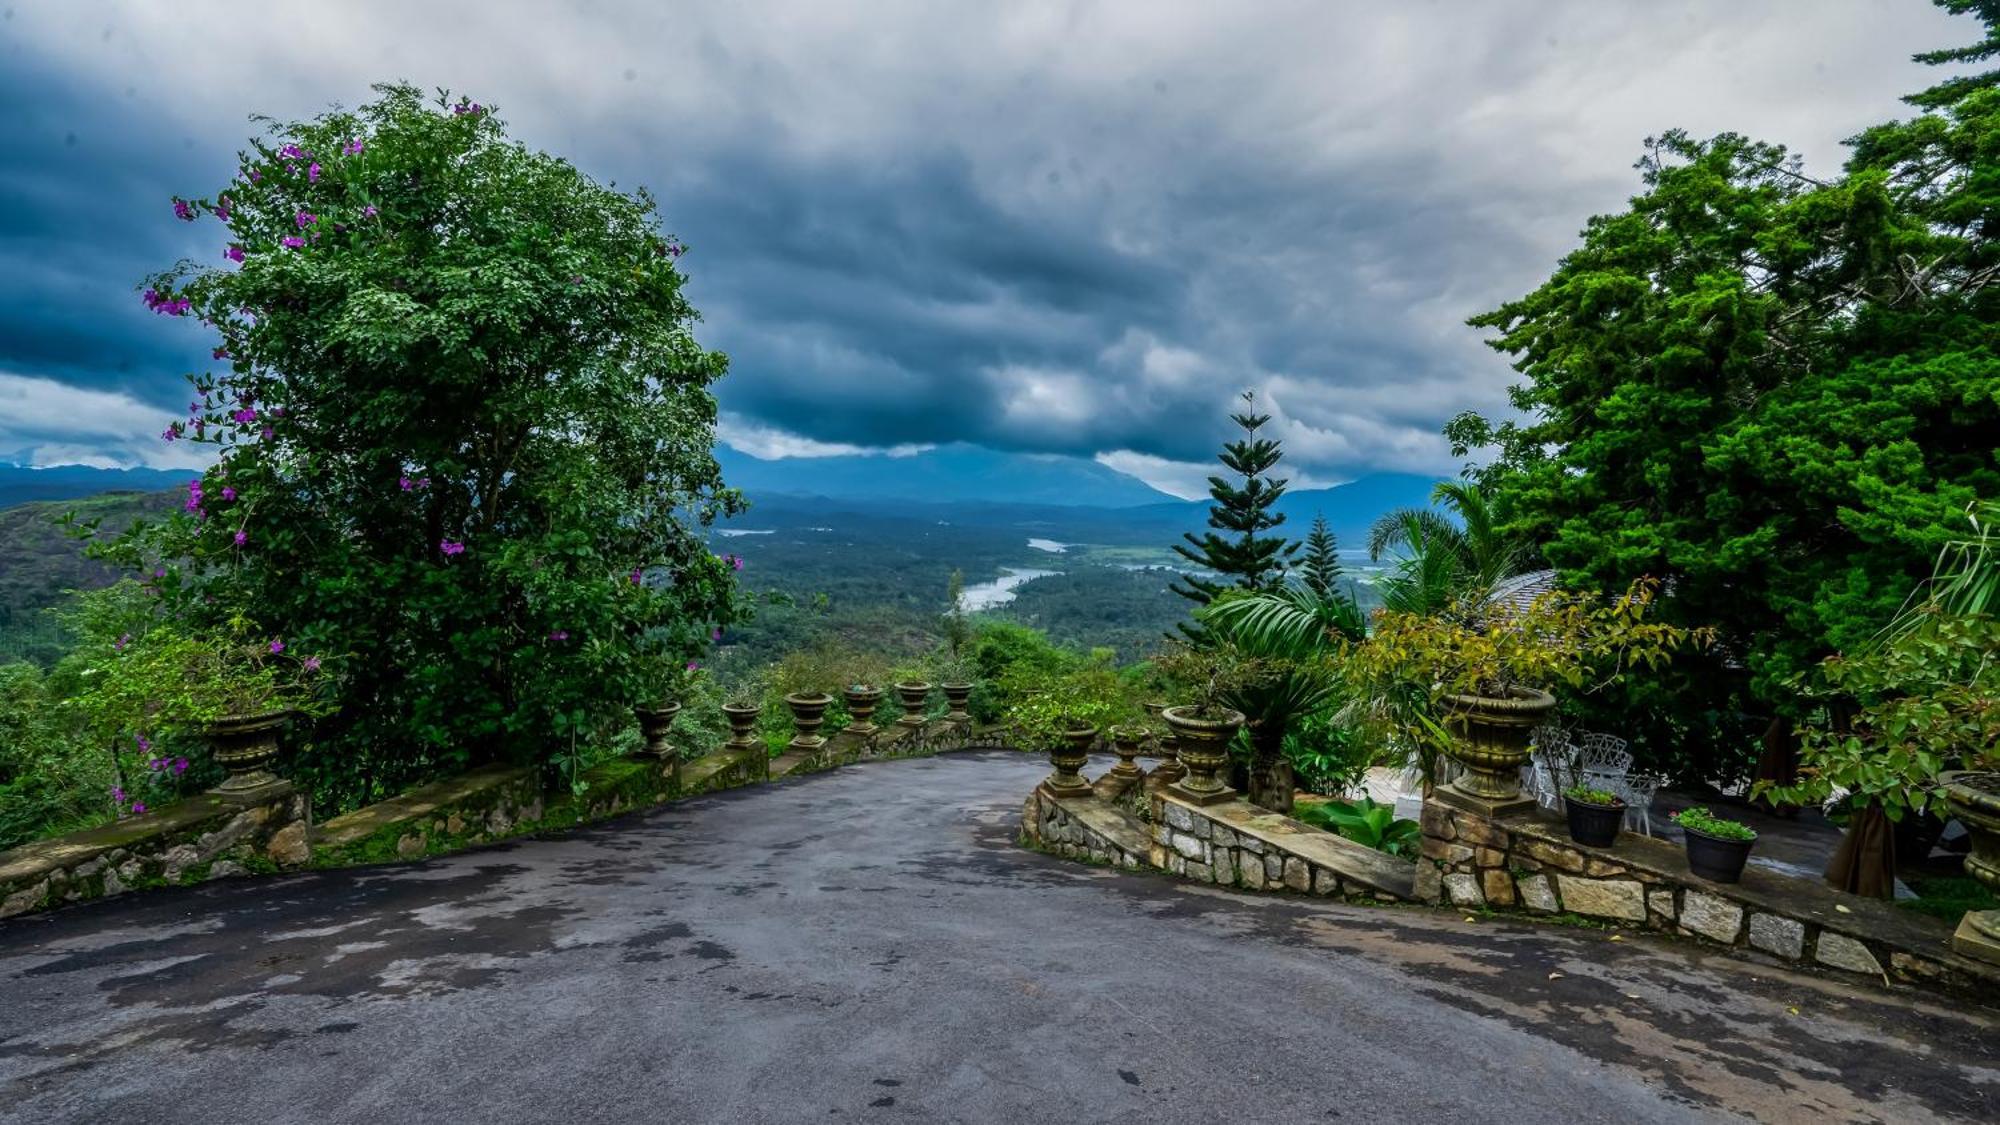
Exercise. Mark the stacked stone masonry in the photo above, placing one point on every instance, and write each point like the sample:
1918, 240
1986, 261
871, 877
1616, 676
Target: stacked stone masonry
205, 837
1528, 863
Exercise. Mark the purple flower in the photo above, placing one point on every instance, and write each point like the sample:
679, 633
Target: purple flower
234, 253
293, 152
219, 353
266, 431
305, 219
311, 664
715, 636
312, 172
242, 537
245, 415
182, 211
119, 646
222, 208
351, 148
118, 794
451, 548
180, 765
463, 108
736, 562
229, 494
368, 212
256, 175
293, 241
138, 808
406, 482
559, 635
171, 434
277, 647
635, 576
144, 745
694, 665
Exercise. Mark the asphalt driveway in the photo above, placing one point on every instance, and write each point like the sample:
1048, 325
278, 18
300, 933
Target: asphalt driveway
870, 944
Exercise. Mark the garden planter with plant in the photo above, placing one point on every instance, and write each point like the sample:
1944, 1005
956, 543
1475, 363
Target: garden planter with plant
915, 695
1973, 797
1060, 715
1470, 684
862, 700
808, 715
1595, 815
654, 724
1717, 848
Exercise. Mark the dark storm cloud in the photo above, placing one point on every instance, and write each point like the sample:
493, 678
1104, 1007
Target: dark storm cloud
1075, 228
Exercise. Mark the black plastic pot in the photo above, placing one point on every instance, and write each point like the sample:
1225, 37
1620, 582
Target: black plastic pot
1714, 858
1594, 825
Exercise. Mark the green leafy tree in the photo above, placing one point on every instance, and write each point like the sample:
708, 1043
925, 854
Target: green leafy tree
465, 433
1244, 557
1445, 560
1776, 391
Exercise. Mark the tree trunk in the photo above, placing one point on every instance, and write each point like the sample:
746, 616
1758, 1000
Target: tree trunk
1778, 764
1865, 862
1271, 784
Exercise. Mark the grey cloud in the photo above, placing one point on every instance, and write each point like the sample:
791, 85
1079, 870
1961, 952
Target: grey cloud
1076, 228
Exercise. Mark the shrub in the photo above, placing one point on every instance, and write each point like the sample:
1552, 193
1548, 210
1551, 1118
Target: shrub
1365, 822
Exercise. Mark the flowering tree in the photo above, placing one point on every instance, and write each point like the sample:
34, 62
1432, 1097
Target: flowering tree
465, 440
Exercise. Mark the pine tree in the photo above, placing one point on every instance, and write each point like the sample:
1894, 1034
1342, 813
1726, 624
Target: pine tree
1320, 568
1244, 558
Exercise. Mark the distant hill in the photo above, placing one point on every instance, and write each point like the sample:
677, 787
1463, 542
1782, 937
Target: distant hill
947, 474
39, 562
20, 484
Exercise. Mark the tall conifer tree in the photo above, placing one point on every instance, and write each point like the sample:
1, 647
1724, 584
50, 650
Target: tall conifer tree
1244, 557
1319, 569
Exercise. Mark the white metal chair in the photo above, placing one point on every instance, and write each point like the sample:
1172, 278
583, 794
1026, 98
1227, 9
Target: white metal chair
1549, 765
1638, 791
1602, 761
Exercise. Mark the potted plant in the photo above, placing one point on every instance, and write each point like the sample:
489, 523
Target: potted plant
1126, 739
657, 719
1203, 730
808, 715
862, 700
956, 683
240, 689
743, 705
1061, 716
1717, 848
1595, 815
914, 693
1473, 685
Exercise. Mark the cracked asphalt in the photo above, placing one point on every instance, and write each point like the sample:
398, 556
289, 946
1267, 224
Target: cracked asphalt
871, 944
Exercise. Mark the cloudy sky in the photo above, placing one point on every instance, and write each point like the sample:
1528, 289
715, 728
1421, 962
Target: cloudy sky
1073, 228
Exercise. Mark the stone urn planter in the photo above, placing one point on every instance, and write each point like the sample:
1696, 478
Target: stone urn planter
808, 714
654, 723
915, 695
1068, 755
1202, 747
1973, 796
245, 746
742, 718
862, 700
1126, 742
1593, 824
956, 696
1491, 742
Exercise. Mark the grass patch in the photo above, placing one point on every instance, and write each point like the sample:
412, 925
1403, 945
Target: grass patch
1948, 896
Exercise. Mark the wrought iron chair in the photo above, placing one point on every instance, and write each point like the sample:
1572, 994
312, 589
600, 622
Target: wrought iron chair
1550, 765
1638, 790
1602, 761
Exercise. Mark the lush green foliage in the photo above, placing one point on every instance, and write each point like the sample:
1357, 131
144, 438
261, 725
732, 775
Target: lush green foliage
465, 431
1699, 819
1585, 795
1773, 390
1445, 562
1365, 822
1919, 698
39, 566
1328, 753
1047, 705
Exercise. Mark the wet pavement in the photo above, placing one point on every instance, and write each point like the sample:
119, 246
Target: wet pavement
870, 944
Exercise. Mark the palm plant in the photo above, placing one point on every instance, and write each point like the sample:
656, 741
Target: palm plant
1442, 562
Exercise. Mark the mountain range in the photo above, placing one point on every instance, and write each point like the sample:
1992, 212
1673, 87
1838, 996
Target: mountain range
1066, 498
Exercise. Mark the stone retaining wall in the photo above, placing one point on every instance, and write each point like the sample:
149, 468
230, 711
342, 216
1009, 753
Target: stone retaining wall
1529, 863
204, 837
1232, 844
